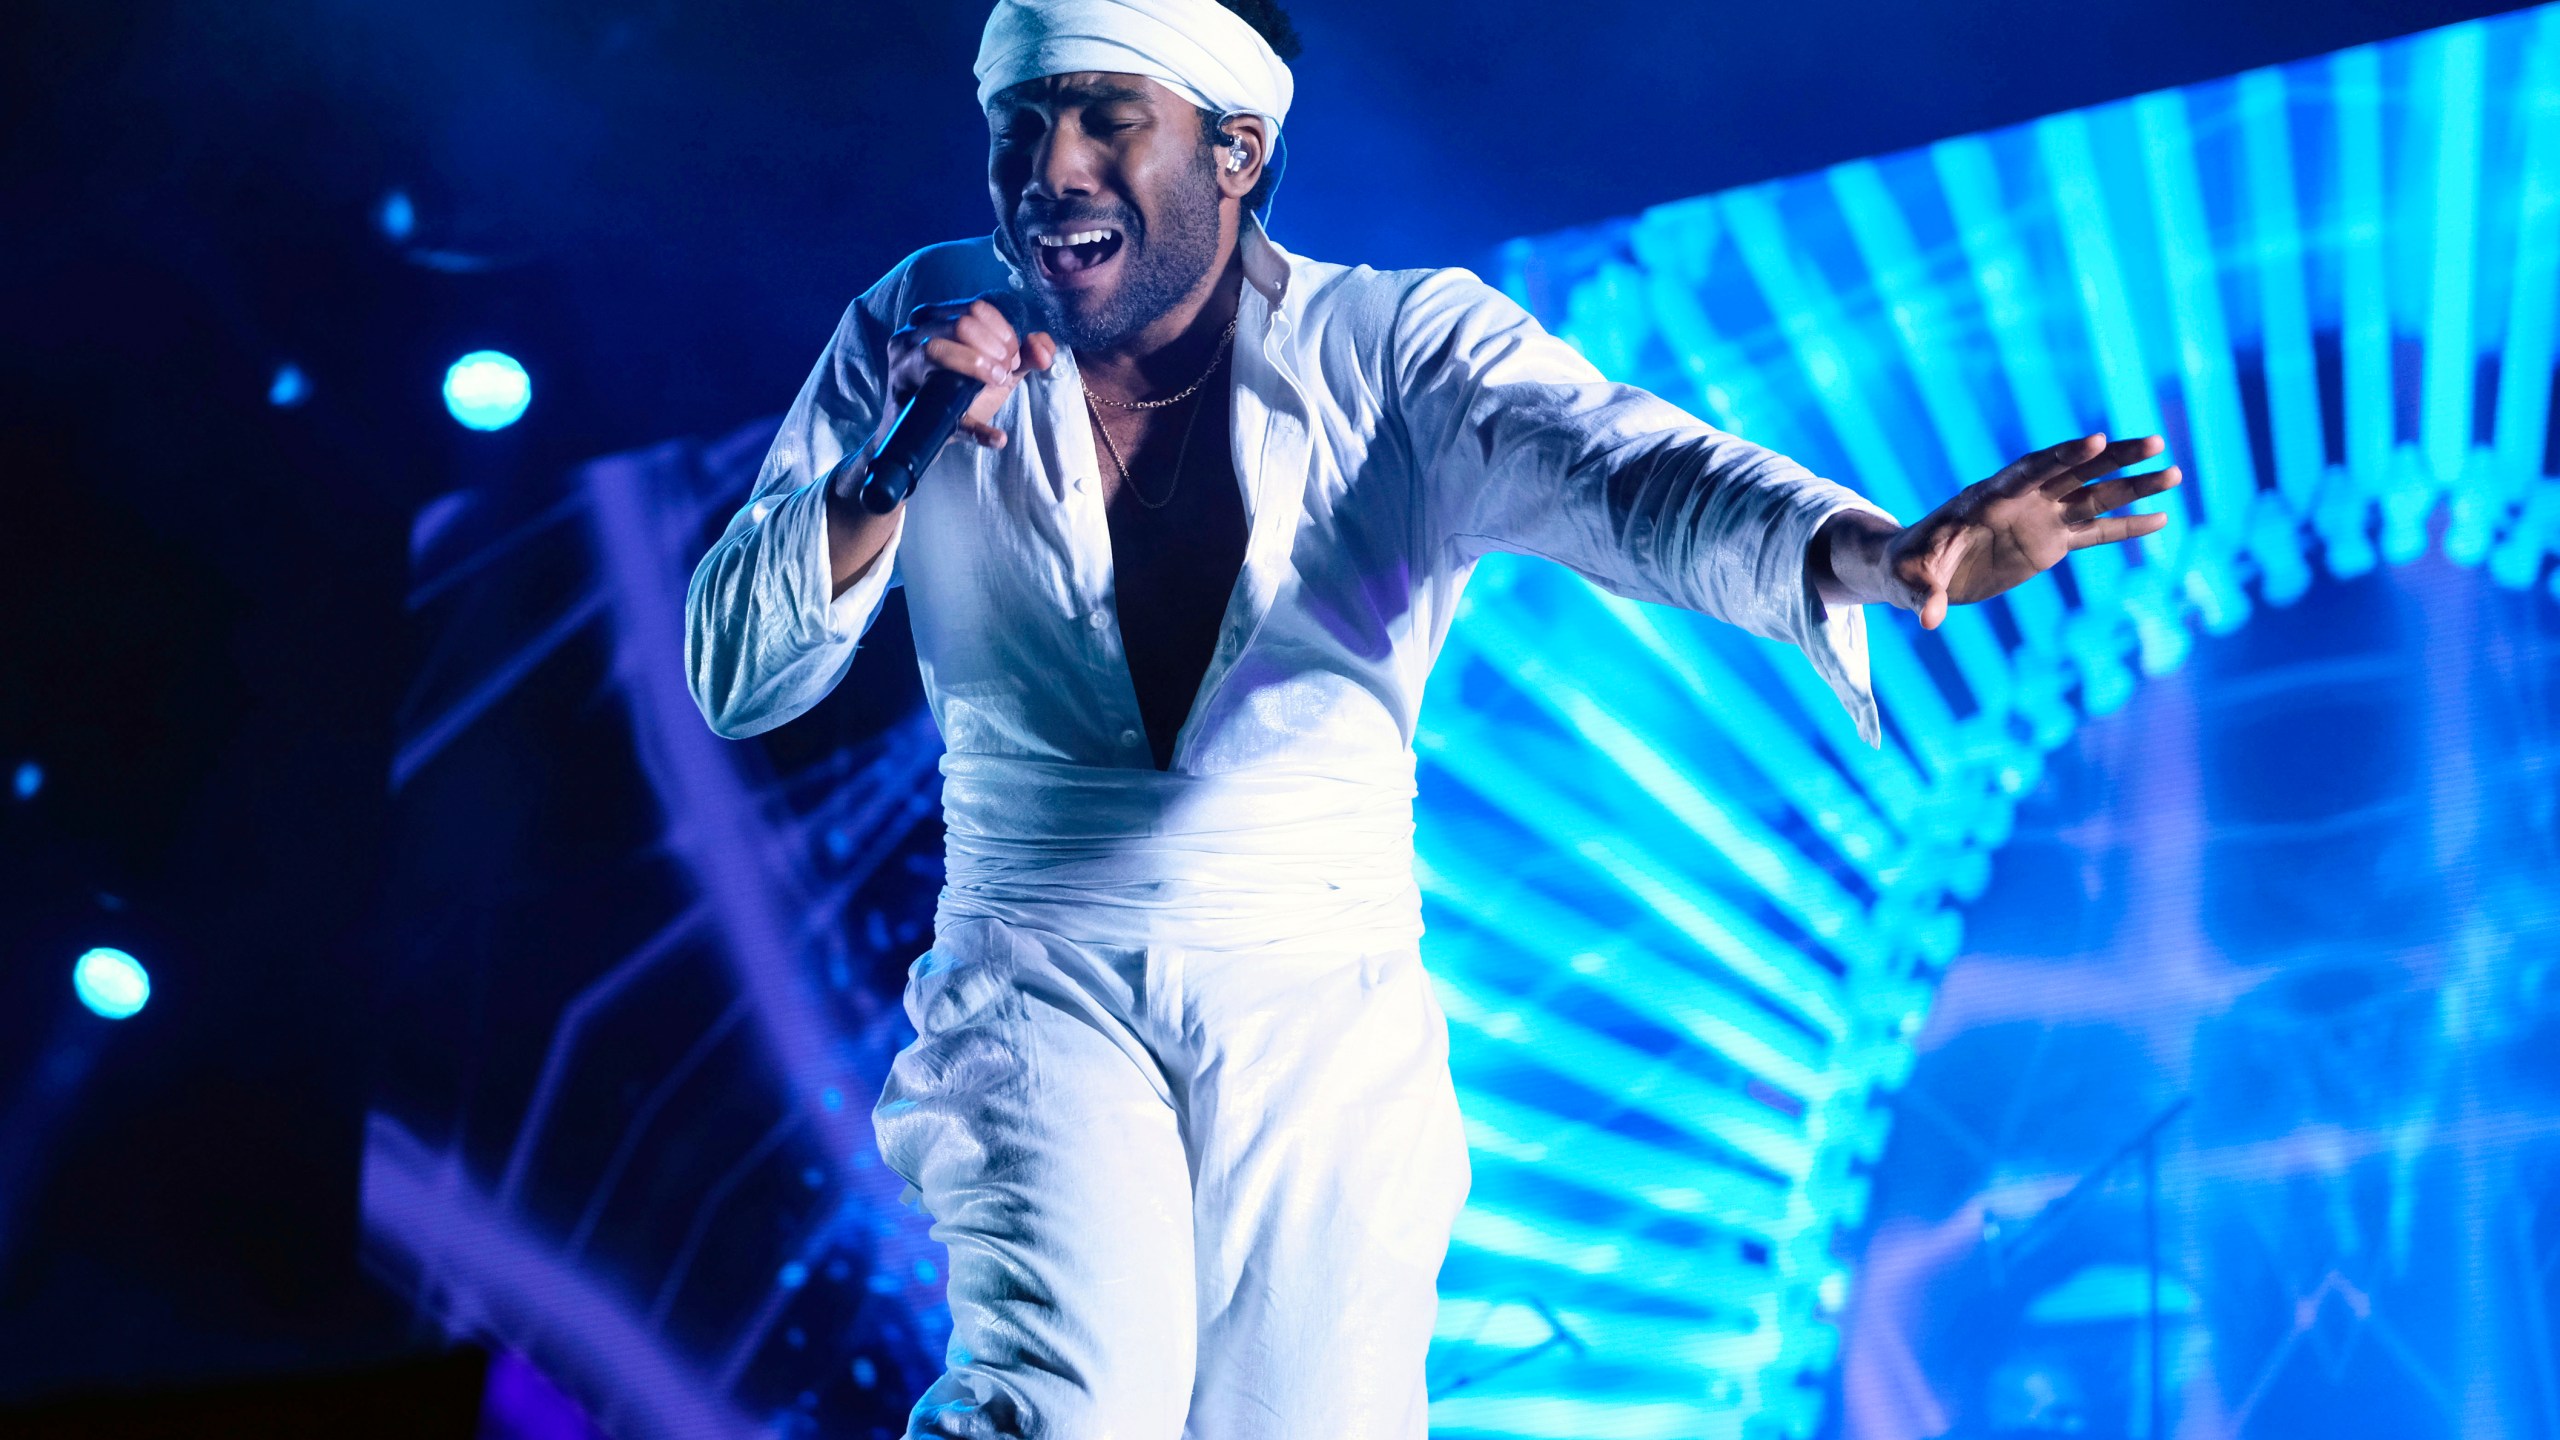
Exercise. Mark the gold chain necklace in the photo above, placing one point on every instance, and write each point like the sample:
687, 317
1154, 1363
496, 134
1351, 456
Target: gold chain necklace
1225, 339
1181, 454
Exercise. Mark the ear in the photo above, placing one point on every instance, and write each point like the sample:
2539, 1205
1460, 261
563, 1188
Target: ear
1252, 142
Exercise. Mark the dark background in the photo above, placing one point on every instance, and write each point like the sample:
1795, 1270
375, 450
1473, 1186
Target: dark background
660, 206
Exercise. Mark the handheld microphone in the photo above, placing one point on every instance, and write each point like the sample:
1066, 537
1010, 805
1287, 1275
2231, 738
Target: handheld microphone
932, 413
922, 428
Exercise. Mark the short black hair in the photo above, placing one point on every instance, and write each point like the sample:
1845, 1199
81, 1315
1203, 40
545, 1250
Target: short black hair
1272, 24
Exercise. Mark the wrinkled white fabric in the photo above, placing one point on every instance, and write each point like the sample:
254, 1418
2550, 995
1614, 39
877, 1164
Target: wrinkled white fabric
1186, 1192
1200, 49
1067, 1110
1133, 857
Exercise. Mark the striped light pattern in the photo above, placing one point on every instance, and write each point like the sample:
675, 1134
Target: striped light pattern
1684, 922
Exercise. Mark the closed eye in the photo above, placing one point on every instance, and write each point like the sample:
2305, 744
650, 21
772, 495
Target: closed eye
1114, 118
1021, 128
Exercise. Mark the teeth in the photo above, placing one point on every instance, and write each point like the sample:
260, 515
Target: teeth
1081, 237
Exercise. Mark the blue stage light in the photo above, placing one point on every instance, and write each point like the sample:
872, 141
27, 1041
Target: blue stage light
28, 780
111, 983
487, 390
290, 387
397, 217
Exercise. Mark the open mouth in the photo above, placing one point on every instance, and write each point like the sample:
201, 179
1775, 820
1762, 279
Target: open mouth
1069, 255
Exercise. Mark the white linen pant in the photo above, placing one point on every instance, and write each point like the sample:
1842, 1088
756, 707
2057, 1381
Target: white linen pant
1186, 1193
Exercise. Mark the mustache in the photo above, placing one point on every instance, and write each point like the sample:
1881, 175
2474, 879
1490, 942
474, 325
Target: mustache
1034, 214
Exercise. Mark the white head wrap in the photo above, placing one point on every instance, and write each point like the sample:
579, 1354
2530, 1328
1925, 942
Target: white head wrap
1199, 49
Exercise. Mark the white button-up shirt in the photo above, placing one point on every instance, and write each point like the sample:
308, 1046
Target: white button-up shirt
1389, 429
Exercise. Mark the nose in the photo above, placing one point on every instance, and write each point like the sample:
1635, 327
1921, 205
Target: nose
1059, 167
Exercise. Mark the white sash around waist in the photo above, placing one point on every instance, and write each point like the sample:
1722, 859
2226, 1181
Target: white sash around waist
1257, 860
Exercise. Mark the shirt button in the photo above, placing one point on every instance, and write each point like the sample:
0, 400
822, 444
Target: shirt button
1128, 737
1097, 620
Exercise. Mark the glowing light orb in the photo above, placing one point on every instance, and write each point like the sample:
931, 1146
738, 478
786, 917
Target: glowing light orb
487, 390
111, 983
290, 387
397, 216
28, 780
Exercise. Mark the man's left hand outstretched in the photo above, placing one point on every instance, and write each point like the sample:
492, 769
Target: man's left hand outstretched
2002, 531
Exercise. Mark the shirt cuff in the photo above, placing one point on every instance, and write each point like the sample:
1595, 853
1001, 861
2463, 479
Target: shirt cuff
1834, 637
839, 618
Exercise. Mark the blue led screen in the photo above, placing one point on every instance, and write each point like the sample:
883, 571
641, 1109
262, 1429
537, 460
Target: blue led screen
2154, 1035
2332, 286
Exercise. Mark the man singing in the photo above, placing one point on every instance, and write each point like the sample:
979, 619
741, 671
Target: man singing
1179, 1100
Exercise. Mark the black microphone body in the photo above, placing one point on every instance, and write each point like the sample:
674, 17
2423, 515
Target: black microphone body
932, 413
930, 416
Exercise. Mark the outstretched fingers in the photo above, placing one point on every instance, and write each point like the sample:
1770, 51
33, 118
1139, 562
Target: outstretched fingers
2091, 501
2040, 467
2108, 529
2104, 460
2060, 469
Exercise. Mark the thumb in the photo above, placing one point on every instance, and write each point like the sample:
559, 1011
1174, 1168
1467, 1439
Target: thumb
1933, 608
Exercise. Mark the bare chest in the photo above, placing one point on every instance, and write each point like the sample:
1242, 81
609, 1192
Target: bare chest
1178, 532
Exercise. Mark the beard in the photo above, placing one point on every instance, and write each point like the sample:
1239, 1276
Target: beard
1160, 263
